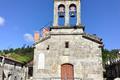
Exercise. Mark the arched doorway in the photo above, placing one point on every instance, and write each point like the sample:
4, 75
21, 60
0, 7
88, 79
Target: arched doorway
67, 72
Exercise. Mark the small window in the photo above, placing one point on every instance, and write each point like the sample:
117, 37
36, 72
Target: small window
15, 78
66, 44
48, 47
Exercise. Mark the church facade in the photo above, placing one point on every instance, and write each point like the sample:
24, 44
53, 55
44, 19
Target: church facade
67, 52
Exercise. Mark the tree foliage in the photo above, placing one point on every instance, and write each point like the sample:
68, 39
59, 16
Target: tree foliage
109, 54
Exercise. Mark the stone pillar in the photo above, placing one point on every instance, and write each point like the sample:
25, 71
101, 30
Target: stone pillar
78, 13
55, 23
66, 14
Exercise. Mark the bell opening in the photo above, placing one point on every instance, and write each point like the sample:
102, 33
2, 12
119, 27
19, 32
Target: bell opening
72, 14
72, 11
61, 10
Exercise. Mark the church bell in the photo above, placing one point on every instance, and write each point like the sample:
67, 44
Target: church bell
72, 11
61, 11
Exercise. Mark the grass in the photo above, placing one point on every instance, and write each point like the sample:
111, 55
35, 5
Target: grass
22, 58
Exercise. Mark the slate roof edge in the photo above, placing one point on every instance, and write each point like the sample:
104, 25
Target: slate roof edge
12, 60
93, 38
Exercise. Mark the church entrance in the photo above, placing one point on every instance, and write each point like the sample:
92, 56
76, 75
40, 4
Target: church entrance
67, 72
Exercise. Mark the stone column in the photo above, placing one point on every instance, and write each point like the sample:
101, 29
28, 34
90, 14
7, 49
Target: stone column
78, 13
26, 73
66, 14
55, 23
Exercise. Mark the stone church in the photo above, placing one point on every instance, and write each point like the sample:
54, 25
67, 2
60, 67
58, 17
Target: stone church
66, 51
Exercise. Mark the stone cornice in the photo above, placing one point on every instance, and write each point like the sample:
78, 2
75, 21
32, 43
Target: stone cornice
67, 27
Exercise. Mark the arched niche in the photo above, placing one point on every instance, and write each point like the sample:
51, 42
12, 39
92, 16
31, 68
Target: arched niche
41, 61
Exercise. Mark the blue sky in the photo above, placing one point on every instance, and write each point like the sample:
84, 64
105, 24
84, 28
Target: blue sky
19, 19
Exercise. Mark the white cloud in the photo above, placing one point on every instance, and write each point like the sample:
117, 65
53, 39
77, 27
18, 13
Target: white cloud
28, 37
2, 21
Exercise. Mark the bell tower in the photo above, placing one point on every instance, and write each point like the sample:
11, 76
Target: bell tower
67, 9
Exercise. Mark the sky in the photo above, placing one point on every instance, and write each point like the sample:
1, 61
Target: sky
19, 19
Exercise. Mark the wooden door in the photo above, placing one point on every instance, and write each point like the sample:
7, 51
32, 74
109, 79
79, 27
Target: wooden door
67, 72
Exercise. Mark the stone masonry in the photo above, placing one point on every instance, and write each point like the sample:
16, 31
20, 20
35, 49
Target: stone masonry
84, 53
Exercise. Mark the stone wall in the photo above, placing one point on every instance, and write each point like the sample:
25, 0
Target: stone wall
0, 72
83, 54
12, 70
